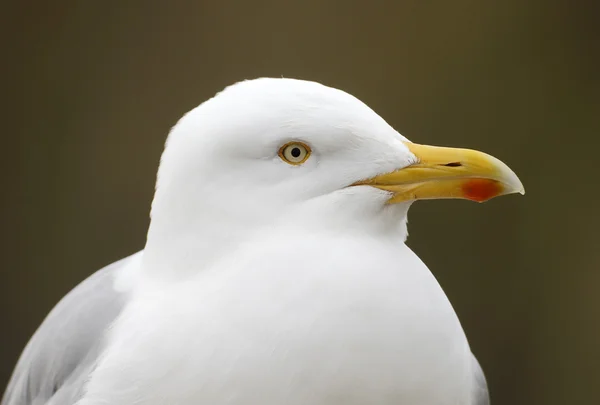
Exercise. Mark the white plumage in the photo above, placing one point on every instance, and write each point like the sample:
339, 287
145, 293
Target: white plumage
270, 283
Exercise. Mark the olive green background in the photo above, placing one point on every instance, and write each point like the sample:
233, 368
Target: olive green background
90, 90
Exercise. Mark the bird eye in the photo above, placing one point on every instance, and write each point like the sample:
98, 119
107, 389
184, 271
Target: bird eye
294, 153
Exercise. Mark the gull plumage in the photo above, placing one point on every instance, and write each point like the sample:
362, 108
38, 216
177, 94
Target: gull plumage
268, 282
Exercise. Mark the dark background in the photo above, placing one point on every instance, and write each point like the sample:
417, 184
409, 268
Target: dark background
90, 90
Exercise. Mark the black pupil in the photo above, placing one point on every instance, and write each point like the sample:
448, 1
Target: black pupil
296, 152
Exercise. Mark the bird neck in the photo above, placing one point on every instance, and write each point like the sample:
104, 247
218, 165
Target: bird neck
181, 244
192, 238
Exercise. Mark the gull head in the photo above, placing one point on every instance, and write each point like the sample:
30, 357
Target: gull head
271, 150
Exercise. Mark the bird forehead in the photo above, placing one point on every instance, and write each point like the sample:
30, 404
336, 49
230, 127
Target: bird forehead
254, 118
294, 106
287, 99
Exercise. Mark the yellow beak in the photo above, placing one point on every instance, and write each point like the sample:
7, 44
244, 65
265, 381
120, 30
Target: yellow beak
448, 173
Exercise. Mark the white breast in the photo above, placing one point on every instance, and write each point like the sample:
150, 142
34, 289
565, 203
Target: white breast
291, 319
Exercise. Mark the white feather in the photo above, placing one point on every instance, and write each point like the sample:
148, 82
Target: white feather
267, 283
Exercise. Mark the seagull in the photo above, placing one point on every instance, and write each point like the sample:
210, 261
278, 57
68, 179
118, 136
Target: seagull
275, 269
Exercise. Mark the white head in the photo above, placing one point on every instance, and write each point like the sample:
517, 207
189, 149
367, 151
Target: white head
271, 150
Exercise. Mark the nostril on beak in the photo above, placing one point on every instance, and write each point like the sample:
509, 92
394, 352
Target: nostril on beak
453, 164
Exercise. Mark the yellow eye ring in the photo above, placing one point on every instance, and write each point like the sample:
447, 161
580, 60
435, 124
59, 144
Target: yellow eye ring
294, 153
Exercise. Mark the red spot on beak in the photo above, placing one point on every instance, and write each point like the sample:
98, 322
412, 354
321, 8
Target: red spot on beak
481, 190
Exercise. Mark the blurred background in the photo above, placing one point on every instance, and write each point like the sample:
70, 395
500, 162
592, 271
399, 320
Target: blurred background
91, 90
